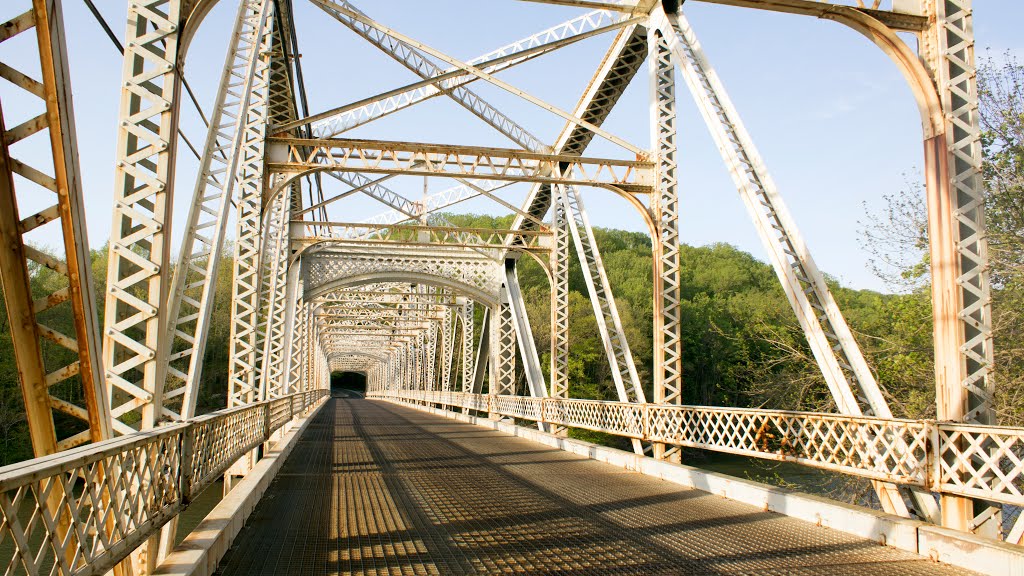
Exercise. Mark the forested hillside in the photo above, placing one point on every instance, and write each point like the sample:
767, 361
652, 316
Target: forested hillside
742, 344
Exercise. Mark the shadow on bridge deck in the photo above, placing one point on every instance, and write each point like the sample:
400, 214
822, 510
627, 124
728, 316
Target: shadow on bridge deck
374, 488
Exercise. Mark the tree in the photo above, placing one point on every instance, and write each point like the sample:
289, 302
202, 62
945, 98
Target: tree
898, 240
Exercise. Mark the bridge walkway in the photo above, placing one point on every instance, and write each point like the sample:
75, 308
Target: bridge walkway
378, 489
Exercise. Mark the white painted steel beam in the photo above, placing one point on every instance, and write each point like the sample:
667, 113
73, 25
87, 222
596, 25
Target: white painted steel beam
195, 276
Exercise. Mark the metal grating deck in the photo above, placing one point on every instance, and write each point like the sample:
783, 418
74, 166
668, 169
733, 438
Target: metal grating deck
379, 489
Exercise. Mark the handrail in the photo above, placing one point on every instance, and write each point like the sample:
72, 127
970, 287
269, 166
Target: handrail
84, 510
985, 462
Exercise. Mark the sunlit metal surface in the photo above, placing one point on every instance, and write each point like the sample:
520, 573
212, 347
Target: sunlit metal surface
375, 488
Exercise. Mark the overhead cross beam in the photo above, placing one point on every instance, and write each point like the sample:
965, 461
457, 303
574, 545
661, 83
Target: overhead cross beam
411, 159
342, 118
379, 30
900, 21
312, 295
341, 233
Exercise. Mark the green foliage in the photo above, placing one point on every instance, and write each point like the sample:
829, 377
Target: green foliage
897, 236
14, 439
742, 345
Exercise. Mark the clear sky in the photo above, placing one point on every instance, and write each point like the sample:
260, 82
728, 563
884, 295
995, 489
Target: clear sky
831, 115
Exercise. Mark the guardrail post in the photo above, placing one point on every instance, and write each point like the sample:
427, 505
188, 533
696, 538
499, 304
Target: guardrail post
185, 463
266, 421
645, 425
933, 457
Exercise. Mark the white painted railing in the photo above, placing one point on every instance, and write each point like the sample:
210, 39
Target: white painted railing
985, 462
83, 510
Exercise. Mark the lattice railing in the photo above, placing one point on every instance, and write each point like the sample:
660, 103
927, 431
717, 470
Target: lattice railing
83, 510
84, 507
619, 418
523, 407
985, 462
280, 412
217, 440
891, 450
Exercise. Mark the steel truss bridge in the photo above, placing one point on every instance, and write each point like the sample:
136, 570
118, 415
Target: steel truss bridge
433, 312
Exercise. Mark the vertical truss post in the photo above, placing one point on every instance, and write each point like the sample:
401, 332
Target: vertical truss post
503, 339
484, 357
400, 369
27, 332
138, 268
431, 355
559, 304
280, 109
466, 318
308, 343
277, 253
559, 301
244, 344
523, 333
408, 366
417, 377
245, 301
322, 371
428, 356
442, 357
493, 358
961, 297
957, 80
294, 329
411, 364
830, 339
195, 275
315, 345
448, 341
398, 377
668, 361
392, 381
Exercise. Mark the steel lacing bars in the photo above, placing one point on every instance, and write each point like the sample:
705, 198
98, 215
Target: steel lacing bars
829, 336
138, 271
245, 302
624, 373
196, 275
31, 317
830, 339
